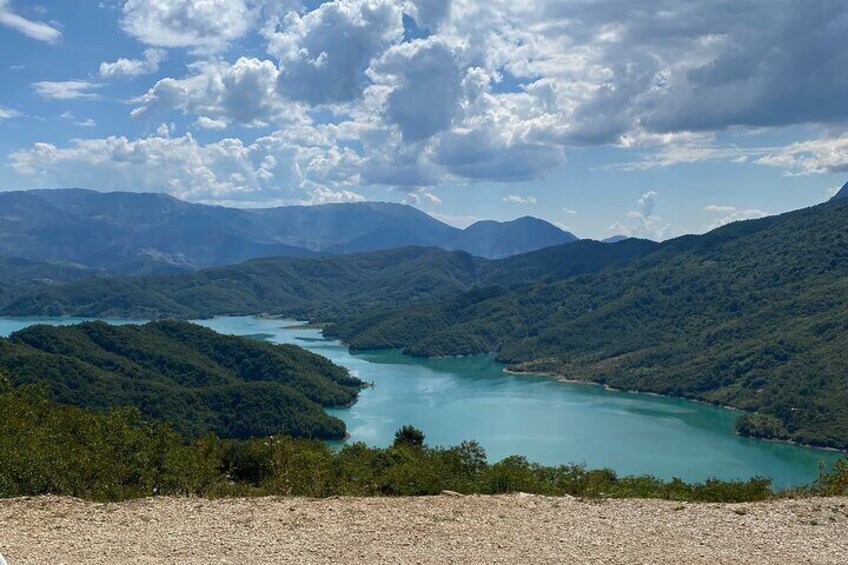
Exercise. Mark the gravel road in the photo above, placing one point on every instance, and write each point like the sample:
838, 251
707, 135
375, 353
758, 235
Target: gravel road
443, 529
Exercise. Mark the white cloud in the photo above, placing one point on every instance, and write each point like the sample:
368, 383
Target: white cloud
569, 211
66, 90
825, 155
729, 214
324, 53
87, 123
221, 94
668, 149
8, 113
422, 196
205, 26
517, 199
497, 91
178, 165
133, 67
323, 195
642, 222
36, 30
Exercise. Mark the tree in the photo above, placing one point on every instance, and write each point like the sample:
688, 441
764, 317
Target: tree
409, 436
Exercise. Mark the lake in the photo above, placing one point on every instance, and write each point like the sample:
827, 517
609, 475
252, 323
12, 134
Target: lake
549, 422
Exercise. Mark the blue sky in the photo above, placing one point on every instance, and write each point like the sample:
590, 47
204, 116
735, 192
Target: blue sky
613, 116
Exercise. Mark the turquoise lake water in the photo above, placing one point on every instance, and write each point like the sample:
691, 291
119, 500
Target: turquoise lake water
550, 422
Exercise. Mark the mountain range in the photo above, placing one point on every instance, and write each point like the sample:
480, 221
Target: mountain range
140, 233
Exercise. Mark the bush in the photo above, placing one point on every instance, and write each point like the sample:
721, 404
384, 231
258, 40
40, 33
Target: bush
834, 482
117, 455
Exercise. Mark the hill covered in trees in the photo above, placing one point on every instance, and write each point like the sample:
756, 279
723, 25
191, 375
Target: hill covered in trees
320, 288
200, 381
752, 315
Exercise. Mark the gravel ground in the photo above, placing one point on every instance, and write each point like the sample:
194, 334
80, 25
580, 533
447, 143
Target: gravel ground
443, 529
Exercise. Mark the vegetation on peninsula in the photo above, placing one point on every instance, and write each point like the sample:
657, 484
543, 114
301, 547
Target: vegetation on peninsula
199, 381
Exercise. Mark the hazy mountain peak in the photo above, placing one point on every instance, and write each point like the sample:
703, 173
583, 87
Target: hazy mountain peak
137, 233
495, 240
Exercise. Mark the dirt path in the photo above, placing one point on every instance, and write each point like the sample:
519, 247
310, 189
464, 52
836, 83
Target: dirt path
445, 529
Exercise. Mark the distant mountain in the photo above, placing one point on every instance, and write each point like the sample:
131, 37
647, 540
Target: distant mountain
495, 240
842, 194
140, 233
615, 238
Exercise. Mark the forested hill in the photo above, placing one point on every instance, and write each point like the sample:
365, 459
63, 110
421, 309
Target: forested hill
753, 315
318, 288
200, 381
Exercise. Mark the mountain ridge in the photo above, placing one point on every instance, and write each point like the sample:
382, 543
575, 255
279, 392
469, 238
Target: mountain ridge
142, 233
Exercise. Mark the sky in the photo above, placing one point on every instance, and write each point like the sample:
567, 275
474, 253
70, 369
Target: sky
650, 119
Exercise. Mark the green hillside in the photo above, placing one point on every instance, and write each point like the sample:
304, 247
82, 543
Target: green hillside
200, 381
317, 288
753, 315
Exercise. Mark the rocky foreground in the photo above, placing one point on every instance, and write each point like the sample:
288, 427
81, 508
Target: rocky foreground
444, 529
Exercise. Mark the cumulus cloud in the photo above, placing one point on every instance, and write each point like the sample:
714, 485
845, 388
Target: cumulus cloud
202, 25
826, 155
422, 196
66, 90
221, 94
642, 222
426, 93
323, 195
133, 67
727, 214
36, 30
518, 199
324, 53
496, 91
429, 14
161, 163
493, 153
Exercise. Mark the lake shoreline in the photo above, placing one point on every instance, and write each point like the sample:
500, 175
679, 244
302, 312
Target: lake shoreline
567, 380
